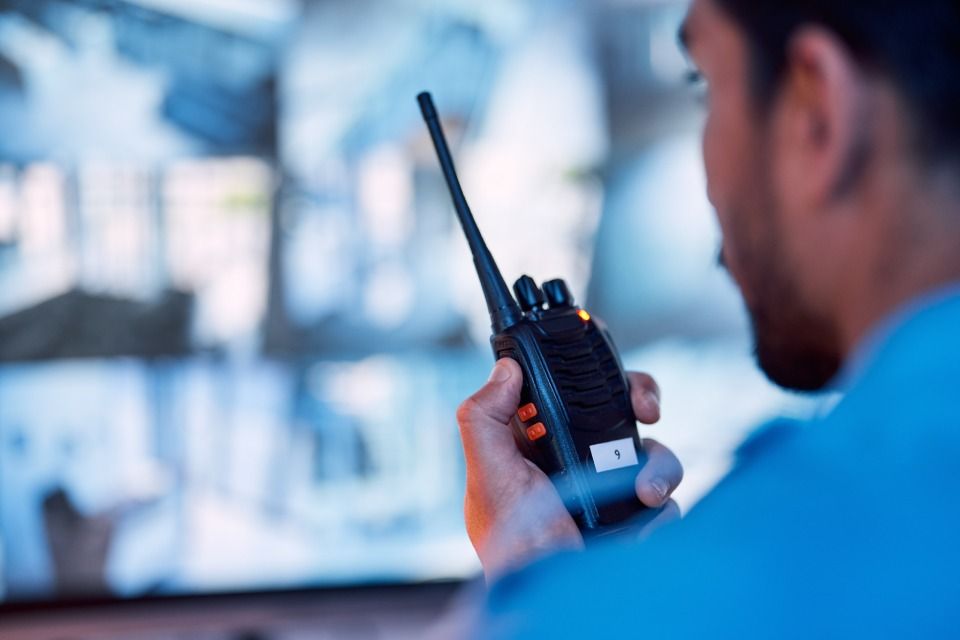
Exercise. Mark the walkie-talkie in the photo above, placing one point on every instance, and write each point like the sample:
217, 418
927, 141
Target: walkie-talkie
575, 420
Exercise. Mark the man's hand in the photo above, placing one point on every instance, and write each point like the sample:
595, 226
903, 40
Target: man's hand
513, 513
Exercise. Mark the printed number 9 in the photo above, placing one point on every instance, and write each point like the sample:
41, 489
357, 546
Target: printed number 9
617, 453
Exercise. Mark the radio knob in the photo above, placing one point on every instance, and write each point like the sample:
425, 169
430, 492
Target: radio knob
557, 294
528, 293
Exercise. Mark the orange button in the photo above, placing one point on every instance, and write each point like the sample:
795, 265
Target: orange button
536, 432
527, 411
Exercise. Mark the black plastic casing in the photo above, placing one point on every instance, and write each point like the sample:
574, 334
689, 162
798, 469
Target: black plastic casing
573, 375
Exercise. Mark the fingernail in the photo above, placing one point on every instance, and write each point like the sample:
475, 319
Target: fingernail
653, 402
500, 373
661, 487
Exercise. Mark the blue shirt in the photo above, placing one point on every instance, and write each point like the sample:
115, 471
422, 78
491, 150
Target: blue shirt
844, 526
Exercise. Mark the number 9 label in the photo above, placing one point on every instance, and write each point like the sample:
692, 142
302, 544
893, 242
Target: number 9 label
613, 455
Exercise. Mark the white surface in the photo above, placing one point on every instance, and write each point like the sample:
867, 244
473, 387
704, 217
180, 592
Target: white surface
615, 454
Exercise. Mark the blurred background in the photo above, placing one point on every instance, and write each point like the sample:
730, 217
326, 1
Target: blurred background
237, 313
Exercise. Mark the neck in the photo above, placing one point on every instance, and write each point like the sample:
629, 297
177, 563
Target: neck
919, 253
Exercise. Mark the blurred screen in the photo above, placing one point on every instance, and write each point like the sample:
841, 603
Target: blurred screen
236, 310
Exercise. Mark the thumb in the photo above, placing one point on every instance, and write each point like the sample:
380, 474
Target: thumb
484, 417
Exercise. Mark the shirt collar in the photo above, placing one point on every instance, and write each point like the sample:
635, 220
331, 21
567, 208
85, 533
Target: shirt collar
902, 321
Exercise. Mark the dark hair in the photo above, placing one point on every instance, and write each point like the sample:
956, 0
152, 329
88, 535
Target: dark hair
915, 43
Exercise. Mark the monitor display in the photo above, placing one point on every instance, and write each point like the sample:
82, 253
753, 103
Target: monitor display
237, 314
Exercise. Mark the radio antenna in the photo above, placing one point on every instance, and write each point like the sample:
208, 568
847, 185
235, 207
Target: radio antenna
504, 311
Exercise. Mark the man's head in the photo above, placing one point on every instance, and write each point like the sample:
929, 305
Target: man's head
833, 129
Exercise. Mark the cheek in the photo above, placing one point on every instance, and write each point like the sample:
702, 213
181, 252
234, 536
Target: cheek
729, 186
717, 167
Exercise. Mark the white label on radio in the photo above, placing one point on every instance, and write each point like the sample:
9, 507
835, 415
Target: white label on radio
613, 455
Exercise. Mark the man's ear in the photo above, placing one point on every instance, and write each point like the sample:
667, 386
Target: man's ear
823, 105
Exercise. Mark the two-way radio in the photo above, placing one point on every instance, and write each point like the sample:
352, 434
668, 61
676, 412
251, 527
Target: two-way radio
575, 420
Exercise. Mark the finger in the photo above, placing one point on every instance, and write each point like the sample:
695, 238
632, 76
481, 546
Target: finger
484, 417
660, 476
669, 513
645, 397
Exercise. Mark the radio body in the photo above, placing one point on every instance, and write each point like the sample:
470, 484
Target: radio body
575, 420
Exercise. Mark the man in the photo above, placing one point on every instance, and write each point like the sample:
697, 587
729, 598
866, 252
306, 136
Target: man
832, 150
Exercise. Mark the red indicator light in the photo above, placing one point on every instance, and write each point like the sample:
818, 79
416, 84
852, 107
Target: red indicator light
584, 315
